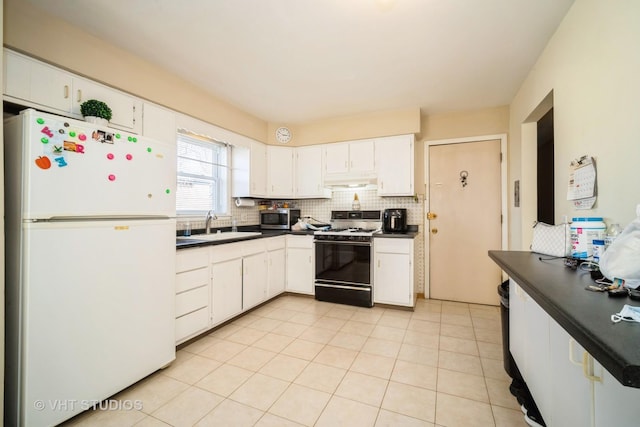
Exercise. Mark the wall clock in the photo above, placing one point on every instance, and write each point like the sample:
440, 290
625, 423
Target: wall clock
283, 135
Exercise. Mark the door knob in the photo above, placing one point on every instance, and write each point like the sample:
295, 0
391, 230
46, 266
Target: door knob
431, 215
434, 230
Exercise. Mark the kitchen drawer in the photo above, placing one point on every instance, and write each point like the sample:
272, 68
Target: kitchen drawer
274, 243
191, 324
303, 242
192, 279
192, 300
392, 246
191, 259
253, 247
227, 252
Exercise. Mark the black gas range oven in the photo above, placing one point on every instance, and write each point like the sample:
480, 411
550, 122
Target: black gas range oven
344, 253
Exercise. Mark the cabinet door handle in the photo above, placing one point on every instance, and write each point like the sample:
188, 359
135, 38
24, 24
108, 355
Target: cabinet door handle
66, 91
79, 95
585, 368
572, 352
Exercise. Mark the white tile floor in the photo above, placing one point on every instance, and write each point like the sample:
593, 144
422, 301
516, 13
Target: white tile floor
296, 361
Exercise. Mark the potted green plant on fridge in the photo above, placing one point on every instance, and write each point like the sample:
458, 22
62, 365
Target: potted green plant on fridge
95, 111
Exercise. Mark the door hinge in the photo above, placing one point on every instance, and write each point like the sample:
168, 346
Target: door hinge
500, 218
500, 157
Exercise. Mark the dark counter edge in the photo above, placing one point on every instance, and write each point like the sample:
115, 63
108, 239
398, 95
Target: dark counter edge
195, 243
626, 374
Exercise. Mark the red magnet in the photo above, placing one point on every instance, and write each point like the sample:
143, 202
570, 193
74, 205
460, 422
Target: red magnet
82, 137
43, 162
112, 177
129, 157
110, 156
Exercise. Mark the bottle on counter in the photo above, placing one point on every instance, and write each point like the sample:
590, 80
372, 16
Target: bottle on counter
612, 233
187, 229
356, 203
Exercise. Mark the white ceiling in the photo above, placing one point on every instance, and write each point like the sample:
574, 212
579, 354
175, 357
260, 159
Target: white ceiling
297, 61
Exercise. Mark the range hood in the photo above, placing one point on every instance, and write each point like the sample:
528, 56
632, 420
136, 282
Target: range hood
351, 181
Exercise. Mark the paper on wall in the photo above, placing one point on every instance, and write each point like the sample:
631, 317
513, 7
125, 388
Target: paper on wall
582, 183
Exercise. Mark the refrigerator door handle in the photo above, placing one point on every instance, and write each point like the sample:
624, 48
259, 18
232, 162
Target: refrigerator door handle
97, 218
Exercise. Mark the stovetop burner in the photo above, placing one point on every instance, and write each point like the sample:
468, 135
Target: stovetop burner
347, 225
349, 234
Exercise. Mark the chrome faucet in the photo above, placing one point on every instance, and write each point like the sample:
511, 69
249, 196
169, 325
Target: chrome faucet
207, 221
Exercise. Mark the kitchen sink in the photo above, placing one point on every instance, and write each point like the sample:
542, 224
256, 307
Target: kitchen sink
215, 237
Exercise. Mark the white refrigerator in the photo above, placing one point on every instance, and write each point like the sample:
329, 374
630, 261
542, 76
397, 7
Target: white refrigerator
90, 259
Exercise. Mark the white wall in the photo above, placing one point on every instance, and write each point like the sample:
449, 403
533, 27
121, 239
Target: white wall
592, 67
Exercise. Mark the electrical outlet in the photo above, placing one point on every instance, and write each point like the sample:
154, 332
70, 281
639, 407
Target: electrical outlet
243, 217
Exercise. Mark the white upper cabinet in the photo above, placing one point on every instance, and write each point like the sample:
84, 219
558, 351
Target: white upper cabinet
349, 159
127, 110
280, 171
336, 158
362, 157
158, 123
309, 173
249, 171
395, 162
36, 84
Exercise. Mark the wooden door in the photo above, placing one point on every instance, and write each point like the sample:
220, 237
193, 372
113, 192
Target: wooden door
465, 197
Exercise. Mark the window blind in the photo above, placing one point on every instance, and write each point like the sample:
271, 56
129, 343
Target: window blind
203, 175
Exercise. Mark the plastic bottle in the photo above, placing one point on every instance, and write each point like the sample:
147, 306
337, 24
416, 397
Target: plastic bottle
583, 232
612, 233
187, 229
356, 203
234, 225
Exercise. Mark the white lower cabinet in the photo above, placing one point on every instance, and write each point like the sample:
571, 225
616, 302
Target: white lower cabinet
254, 274
276, 266
572, 391
216, 283
192, 293
300, 264
615, 404
537, 357
568, 385
393, 279
226, 282
517, 336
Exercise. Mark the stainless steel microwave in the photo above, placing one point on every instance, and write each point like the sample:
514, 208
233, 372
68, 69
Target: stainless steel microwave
278, 219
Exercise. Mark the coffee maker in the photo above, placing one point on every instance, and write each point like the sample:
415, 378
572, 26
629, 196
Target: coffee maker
394, 221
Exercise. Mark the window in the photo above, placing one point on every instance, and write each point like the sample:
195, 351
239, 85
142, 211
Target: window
203, 175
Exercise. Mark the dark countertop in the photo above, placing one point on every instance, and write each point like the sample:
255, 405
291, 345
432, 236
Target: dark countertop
193, 242
585, 315
407, 235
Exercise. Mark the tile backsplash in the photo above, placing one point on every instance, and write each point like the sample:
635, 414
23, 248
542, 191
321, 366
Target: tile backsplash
320, 210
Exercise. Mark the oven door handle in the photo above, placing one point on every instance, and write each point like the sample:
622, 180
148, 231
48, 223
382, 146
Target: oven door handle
352, 288
345, 242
